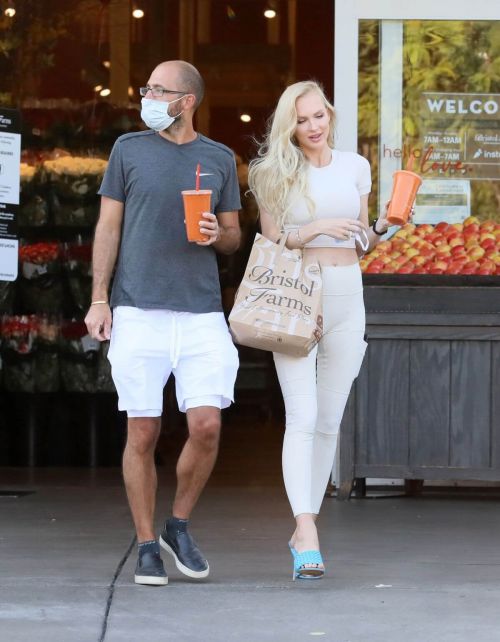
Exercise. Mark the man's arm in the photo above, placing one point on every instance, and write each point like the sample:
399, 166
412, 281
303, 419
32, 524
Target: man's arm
105, 251
223, 231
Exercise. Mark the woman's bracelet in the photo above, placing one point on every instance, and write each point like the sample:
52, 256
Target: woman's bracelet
374, 228
98, 302
297, 234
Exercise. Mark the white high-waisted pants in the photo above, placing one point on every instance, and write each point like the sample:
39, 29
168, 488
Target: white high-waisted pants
315, 389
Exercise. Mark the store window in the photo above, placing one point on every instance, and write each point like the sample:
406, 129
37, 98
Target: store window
429, 97
418, 83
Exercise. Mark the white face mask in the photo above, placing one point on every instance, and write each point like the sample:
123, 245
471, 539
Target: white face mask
155, 114
363, 244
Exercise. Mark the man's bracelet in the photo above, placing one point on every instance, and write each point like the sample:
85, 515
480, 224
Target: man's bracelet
99, 302
374, 228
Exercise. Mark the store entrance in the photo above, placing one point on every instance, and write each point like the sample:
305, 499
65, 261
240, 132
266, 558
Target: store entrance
76, 89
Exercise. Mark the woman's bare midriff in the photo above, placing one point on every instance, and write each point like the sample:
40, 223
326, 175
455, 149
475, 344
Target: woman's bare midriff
328, 256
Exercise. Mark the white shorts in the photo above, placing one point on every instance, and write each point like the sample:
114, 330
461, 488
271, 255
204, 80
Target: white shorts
147, 345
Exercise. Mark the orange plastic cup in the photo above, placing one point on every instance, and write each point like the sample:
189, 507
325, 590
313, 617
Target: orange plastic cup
195, 203
404, 191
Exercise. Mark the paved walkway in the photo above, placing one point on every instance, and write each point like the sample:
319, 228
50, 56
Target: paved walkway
399, 569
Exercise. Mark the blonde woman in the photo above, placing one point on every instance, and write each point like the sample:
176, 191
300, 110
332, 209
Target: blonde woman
319, 196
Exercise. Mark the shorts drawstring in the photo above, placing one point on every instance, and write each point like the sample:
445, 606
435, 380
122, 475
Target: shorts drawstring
175, 341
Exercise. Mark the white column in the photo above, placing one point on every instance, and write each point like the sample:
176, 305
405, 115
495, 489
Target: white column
390, 106
346, 75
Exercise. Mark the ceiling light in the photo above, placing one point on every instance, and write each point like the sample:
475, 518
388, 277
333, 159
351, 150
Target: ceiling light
98, 88
105, 92
245, 118
106, 63
10, 11
270, 13
138, 13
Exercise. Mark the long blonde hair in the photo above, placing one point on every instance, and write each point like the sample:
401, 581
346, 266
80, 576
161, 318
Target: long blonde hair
281, 164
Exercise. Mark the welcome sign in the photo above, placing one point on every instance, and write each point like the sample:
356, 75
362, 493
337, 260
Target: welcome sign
483, 106
461, 130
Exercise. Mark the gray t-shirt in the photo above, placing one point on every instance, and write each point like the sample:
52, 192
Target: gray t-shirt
157, 267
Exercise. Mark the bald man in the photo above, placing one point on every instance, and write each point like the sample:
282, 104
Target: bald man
165, 314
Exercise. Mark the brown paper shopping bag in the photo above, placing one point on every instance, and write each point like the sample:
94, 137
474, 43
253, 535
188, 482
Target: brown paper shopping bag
278, 303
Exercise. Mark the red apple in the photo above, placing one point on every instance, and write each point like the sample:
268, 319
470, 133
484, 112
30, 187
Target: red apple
427, 252
400, 244
460, 258
441, 264
488, 243
475, 252
443, 250
411, 252
457, 250
407, 268
433, 236
384, 246
487, 226
363, 264
470, 267
376, 263
489, 266
455, 267
441, 227
471, 239
456, 240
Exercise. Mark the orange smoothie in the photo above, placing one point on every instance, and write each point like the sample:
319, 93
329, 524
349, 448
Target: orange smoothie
195, 203
404, 191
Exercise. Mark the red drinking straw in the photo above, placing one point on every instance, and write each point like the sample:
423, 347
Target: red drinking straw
198, 177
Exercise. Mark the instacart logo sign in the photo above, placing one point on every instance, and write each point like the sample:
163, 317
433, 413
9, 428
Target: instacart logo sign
476, 106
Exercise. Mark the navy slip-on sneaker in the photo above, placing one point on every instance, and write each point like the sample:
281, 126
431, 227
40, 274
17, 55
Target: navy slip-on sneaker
149, 569
177, 541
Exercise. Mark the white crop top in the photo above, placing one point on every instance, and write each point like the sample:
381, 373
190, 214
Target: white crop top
335, 190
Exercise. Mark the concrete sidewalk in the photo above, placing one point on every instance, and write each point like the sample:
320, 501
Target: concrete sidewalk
399, 569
